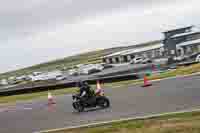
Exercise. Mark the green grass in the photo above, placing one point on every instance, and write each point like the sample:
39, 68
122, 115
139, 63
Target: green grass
180, 71
176, 123
24, 97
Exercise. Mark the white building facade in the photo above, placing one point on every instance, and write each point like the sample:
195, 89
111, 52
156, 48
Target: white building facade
152, 51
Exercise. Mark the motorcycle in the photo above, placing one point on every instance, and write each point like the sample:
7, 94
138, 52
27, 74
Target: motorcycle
95, 101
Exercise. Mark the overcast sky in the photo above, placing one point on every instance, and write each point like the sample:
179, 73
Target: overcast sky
35, 31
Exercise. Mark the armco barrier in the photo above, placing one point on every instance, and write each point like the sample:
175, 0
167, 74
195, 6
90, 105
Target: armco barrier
187, 63
32, 89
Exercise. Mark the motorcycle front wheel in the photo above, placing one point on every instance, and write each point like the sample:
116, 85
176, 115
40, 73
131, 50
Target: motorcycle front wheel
103, 102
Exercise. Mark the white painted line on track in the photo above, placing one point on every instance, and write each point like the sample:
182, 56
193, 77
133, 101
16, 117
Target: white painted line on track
27, 108
120, 120
20, 107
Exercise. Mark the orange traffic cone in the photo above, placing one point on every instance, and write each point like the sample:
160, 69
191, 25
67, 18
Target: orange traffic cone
146, 82
50, 99
99, 90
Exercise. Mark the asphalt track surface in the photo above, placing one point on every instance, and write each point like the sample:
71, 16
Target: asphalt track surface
163, 96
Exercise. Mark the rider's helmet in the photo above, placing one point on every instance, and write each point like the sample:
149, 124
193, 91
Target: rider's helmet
85, 83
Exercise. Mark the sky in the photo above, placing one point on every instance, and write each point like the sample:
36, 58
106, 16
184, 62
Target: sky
36, 31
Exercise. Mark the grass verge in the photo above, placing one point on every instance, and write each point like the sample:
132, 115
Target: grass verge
180, 71
176, 123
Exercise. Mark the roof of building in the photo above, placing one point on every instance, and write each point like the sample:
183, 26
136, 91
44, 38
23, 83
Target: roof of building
185, 34
113, 54
136, 50
178, 29
189, 42
142, 49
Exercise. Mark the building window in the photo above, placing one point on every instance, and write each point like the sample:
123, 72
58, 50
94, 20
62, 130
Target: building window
113, 60
107, 60
121, 59
139, 54
157, 53
162, 51
132, 56
199, 48
117, 59
172, 52
179, 52
149, 54
189, 50
145, 54
128, 57
110, 60
194, 48
153, 53
104, 60
125, 59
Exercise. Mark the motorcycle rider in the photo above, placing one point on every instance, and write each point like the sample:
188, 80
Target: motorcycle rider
85, 91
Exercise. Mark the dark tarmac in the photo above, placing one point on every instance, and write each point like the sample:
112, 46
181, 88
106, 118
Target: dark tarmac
163, 96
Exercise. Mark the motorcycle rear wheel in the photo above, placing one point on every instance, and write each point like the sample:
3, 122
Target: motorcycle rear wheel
77, 106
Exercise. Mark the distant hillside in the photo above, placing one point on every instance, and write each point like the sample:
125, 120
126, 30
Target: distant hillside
68, 62
90, 57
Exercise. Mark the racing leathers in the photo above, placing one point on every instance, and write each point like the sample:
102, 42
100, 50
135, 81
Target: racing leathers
85, 92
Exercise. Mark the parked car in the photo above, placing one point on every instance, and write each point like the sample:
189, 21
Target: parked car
90, 68
61, 77
73, 72
37, 73
181, 58
140, 60
198, 58
146, 61
91, 71
106, 66
38, 78
136, 60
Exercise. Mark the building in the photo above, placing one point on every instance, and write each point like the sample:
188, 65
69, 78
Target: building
150, 51
181, 41
178, 42
187, 48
